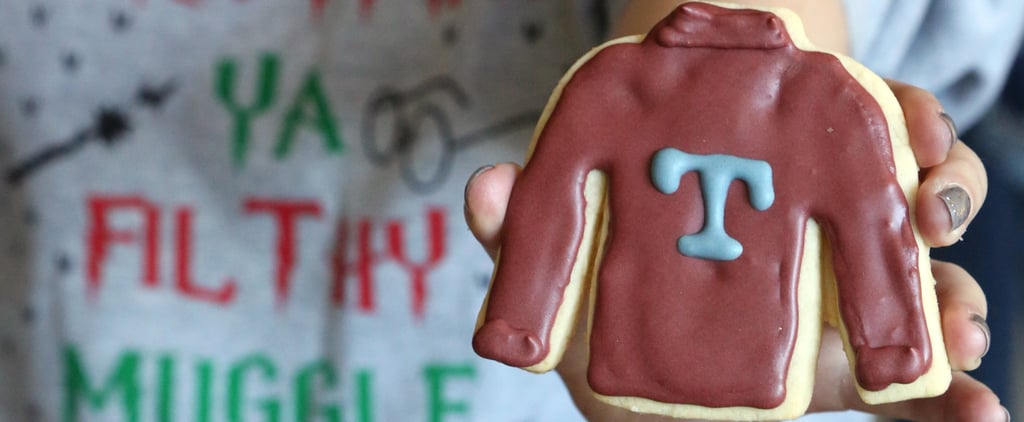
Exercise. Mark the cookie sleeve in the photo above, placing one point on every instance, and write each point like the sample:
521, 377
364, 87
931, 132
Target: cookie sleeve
875, 256
879, 296
547, 240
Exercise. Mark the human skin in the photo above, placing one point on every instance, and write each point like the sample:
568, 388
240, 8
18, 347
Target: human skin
945, 162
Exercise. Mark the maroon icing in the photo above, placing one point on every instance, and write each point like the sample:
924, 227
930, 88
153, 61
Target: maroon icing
676, 329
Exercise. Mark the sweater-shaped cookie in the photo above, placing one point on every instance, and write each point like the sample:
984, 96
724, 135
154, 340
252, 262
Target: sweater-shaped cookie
716, 190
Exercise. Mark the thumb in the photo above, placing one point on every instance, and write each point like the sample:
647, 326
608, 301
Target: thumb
487, 195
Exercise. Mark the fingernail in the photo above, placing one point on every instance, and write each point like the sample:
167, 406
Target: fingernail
983, 325
958, 203
953, 133
465, 191
1007, 411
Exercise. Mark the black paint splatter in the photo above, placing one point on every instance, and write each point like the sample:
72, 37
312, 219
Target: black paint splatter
109, 126
28, 315
39, 16
532, 32
154, 96
29, 107
70, 61
450, 35
120, 21
63, 264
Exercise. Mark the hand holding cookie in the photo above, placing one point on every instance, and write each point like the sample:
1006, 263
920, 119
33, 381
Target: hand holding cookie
961, 301
704, 189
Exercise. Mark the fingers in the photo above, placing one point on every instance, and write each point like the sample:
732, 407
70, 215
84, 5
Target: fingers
963, 308
487, 194
932, 131
954, 183
950, 196
966, 399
